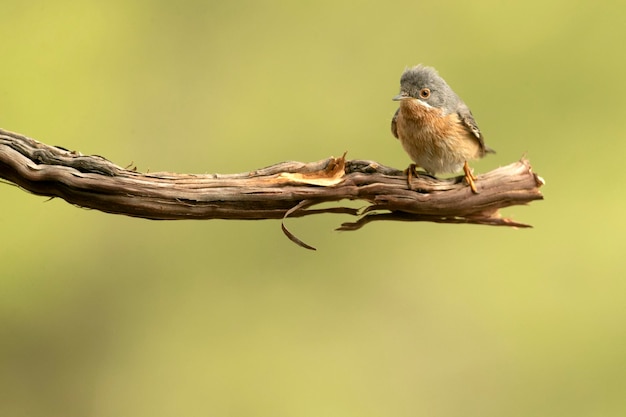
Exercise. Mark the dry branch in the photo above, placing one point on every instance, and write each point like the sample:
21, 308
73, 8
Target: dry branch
286, 189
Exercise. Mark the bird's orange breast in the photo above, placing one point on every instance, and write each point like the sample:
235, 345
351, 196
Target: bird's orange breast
436, 142
429, 119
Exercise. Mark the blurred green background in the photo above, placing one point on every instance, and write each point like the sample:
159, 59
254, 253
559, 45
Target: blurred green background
104, 315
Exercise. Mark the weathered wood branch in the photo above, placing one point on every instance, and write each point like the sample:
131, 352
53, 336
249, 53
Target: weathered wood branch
278, 191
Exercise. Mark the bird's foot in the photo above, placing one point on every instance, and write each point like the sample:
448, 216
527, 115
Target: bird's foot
410, 172
470, 178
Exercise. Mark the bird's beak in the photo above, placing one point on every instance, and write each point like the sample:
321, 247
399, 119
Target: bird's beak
400, 97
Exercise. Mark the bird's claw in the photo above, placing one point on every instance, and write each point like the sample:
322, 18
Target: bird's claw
470, 178
411, 172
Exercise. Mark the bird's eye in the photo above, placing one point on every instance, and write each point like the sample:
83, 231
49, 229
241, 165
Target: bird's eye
425, 92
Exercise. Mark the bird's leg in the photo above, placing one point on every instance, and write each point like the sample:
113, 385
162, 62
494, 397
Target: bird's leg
411, 172
470, 177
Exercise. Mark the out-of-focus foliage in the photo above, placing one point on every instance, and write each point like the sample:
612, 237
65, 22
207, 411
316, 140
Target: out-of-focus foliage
105, 315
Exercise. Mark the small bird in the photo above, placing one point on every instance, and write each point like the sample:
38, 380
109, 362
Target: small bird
435, 127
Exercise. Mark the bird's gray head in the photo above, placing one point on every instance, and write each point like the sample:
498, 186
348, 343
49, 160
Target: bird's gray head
424, 84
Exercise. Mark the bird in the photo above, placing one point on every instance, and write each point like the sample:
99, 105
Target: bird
435, 127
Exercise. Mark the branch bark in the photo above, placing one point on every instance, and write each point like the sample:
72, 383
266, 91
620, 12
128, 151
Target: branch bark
286, 189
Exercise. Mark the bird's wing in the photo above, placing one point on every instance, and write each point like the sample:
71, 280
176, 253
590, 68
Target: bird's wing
394, 125
468, 121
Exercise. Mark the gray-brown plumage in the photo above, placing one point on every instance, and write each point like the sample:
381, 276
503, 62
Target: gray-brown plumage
435, 127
